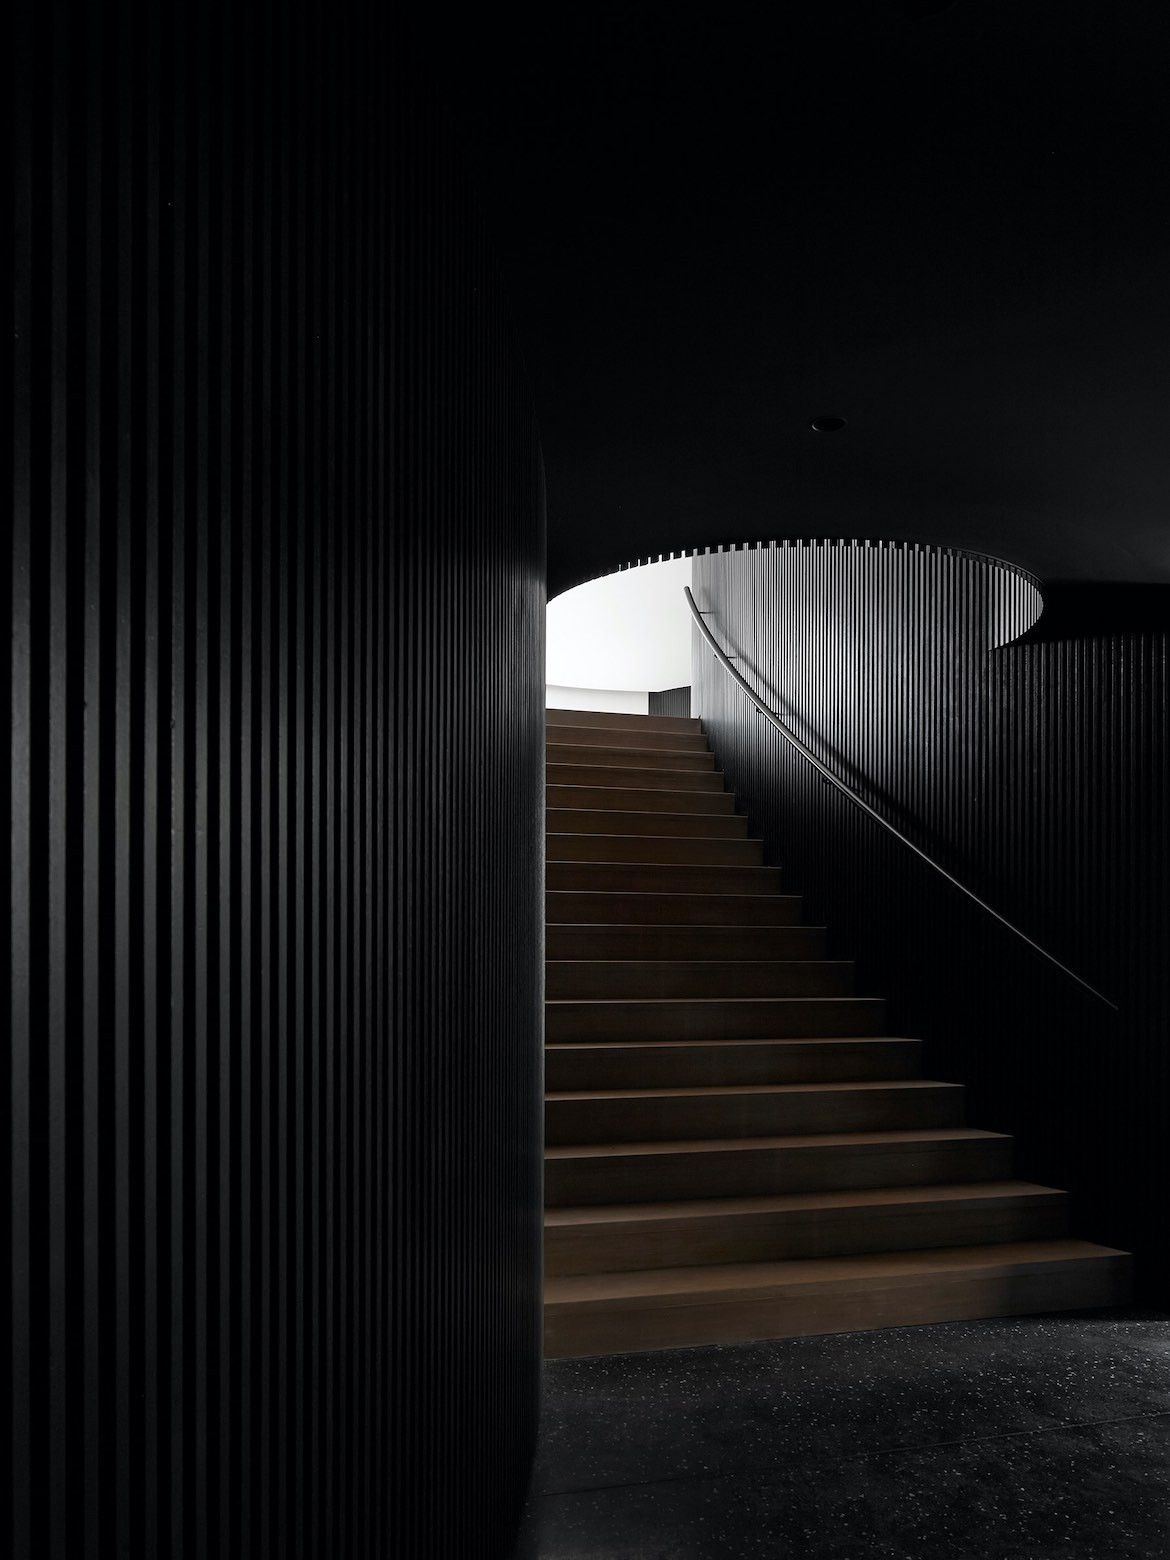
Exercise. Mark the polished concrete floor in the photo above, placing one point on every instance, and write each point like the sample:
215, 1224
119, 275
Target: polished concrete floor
1038, 1436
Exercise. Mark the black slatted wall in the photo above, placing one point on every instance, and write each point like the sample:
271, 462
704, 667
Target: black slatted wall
1037, 771
276, 694
670, 701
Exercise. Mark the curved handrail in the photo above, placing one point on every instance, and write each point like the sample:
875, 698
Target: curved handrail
807, 753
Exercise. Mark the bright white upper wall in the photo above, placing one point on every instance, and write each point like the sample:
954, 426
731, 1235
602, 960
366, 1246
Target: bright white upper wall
630, 630
617, 701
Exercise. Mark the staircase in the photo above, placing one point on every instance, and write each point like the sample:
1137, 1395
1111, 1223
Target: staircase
735, 1148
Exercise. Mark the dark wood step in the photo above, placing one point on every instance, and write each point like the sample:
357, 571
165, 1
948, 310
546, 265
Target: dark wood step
721, 1018
662, 878
748, 1111
736, 1302
717, 943
615, 1064
734, 1151
577, 771
633, 1237
608, 980
674, 825
654, 849
600, 908
667, 762
640, 737
622, 722
586, 1174
592, 800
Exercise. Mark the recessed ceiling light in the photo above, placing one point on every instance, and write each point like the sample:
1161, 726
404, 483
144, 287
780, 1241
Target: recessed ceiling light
827, 423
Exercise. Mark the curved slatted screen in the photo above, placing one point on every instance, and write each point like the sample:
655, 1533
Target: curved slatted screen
276, 693
1034, 770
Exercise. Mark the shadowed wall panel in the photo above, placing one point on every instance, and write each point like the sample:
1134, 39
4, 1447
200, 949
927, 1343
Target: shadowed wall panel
1035, 771
671, 701
276, 698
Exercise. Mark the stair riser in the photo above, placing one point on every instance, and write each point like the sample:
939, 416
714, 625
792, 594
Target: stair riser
617, 737
677, 943
654, 851
607, 981
680, 825
601, 908
616, 722
578, 771
765, 1018
591, 799
678, 1117
728, 1062
664, 763
675, 963
635, 878
780, 1237
573, 1331
751, 1172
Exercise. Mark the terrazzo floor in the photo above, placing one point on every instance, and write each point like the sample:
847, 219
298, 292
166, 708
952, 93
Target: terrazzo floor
1037, 1436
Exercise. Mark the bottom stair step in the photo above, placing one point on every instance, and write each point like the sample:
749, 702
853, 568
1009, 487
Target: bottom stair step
735, 1303
631, 1237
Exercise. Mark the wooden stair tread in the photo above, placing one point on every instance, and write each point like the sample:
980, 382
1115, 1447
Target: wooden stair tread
601, 840
641, 726
700, 1002
591, 906
555, 715
674, 872
646, 1064
645, 813
659, 834
733, 1278
570, 766
697, 980
606, 799
587, 799
720, 945
564, 734
898, 1135
600, 897
863, 1221
559, 750
679, 1018
665, 877
654, 850
699, 1045
735, 964
645, 823
794, 1202
719, 1090
741, 965
664, 927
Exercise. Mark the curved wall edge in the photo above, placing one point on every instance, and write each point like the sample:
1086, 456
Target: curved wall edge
1037, 772
1033, 610
275, 943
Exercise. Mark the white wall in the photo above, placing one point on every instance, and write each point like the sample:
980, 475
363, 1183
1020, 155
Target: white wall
629, 631
617, 701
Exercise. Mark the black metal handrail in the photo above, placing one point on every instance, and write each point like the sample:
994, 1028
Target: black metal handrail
846, 791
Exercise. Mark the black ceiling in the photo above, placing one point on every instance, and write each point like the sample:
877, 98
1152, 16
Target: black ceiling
952, 230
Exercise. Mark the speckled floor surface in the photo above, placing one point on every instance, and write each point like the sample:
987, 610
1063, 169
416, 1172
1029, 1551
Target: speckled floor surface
1037, 1436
